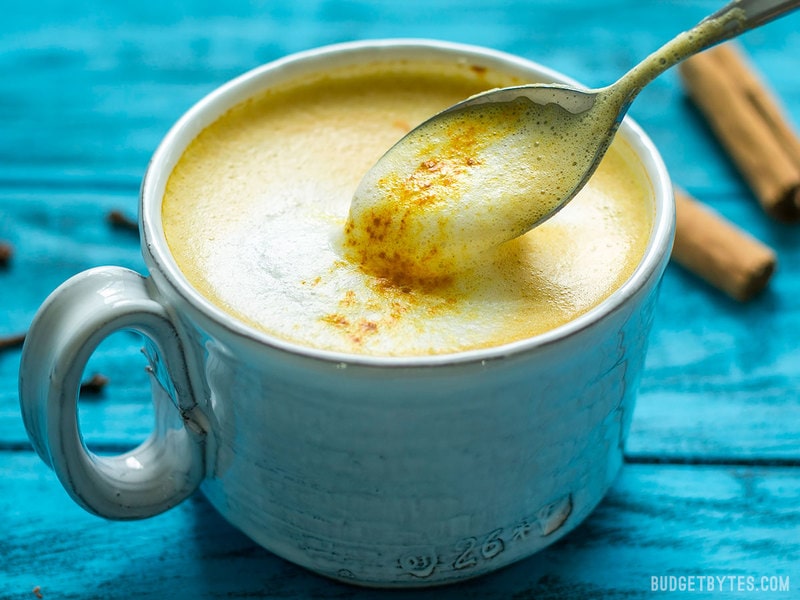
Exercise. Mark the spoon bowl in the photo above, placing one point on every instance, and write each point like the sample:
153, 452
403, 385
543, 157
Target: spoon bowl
496, 165
475, 176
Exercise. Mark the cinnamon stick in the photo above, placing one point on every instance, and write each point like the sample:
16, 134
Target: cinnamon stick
716, 250
750, 124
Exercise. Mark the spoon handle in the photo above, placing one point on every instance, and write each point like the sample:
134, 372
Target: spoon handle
731, 20
754, 14
742, 15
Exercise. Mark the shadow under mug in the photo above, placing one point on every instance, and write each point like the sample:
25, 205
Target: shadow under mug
377, 471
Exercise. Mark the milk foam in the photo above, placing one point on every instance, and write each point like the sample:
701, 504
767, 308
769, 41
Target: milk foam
255, 211
464, 183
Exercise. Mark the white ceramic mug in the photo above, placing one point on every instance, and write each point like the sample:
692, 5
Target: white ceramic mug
378, 471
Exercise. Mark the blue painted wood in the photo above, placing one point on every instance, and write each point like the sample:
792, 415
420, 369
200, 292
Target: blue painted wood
68, 157
87, 90
656, 521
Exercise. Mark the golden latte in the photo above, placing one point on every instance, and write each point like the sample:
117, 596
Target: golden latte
255, 210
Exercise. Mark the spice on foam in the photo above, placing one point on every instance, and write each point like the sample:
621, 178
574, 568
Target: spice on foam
397, 299
422, 212
380, 238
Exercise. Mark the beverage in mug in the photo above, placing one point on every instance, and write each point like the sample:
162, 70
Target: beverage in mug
254, 214
373, 428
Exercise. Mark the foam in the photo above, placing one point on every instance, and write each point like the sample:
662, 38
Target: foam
255, 212
464, 183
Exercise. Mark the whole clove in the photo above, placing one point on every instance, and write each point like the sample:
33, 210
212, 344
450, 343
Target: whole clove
95, 385
119, 220
6, 253
10, 342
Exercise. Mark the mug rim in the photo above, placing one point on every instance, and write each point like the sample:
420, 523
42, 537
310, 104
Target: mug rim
209, 108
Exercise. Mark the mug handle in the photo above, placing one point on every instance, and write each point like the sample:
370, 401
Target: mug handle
167, 467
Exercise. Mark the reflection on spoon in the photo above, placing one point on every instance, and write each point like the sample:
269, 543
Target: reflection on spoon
493, 167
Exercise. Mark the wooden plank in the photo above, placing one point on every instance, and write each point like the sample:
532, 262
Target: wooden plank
118, 89
87, 92
56, 234
709, 387
722, 379
656, 521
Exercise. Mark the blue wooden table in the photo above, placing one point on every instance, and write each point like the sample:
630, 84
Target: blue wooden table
711, 484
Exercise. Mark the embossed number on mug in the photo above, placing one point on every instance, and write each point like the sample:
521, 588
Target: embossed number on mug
466, 558
469, 551
547, 520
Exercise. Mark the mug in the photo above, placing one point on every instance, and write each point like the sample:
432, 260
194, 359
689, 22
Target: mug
386, 472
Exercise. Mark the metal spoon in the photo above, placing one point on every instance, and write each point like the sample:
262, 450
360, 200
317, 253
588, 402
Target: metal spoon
494, 166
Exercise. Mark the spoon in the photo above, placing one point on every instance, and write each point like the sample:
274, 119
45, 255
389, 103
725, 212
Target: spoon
498, 164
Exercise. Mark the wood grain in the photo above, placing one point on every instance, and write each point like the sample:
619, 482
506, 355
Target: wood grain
709, 521
88, 89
